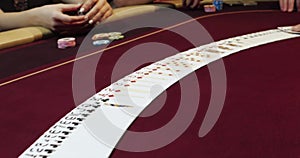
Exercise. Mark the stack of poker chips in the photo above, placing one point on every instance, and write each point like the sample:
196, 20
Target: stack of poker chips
106, 38
218, 4
209, 8
63, 43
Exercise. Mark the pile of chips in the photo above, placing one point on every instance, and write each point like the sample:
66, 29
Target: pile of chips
218, 4
63, 43
106, 38
209, 8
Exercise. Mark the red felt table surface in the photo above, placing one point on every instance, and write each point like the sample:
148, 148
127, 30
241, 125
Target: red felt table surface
260, 117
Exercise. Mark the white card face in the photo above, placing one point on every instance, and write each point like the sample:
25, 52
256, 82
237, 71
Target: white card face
82, 143
94, 127
288, 29
99, 133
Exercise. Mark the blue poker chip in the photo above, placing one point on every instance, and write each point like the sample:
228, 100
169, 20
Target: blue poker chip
218, 4
101, 42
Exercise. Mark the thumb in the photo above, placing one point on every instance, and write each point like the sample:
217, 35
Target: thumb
296, 28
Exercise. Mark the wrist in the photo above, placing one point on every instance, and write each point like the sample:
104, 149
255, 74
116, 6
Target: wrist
29, 17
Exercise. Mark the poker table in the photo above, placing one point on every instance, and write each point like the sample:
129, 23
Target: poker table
260, 113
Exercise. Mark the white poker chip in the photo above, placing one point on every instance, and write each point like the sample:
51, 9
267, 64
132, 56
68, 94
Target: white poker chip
116, 37
101, 42
115, 33
109, 35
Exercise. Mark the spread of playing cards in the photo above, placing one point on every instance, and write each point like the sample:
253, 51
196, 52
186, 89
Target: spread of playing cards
112, 110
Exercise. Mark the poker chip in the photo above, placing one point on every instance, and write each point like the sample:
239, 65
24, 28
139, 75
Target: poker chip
101, 42
109, 35
63, 43
100, 36
209, 8
114, 33
218, 4
117, 37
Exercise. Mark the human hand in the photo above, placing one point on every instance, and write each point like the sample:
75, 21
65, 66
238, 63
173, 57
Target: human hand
54, 17
287, 5
296, 28
98, 10
191, 3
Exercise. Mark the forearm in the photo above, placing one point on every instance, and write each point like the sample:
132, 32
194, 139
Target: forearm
14, 20
123, 3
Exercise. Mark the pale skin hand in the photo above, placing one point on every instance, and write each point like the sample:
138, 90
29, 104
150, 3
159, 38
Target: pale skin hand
191, 3
296, 28
97, 10
54, 17
287, 5
49, 16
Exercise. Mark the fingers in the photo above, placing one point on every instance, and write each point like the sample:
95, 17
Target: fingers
98, 8
69, 7
106, 15
97, 13
87, 5
283, 5
291, 5
60, 16
195, 4
69, 19
296, 28
287, 5
191, 3
187, 3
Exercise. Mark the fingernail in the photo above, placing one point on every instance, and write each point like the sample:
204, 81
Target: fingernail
91, 22
81, 10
